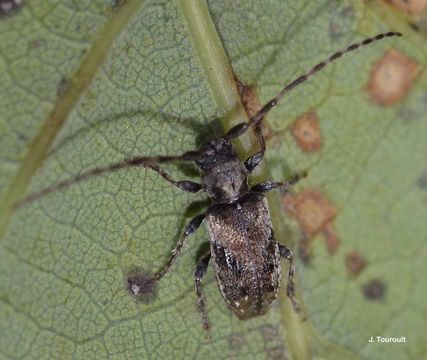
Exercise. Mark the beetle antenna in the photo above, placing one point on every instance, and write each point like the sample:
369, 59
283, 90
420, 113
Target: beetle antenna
258, 117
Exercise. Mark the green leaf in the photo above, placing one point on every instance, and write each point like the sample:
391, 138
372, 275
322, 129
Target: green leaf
84, 85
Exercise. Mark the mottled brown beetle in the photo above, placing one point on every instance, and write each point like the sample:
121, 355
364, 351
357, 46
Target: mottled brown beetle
243, 249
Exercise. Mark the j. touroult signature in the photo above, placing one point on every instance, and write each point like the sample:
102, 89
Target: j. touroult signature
382, 339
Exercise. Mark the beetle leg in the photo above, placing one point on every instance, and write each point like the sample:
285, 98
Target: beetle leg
184, 185
290, 289
191, 227
254, 160
271, 185
200, 272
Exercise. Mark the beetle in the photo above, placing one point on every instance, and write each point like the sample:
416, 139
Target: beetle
243, 249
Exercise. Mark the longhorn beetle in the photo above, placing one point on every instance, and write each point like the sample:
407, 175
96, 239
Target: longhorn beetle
243, 250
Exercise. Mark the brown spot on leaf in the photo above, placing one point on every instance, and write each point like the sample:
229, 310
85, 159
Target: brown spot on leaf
332, 241
249, 98
252, 105
354, 263
306, 132
391, 78
140, 284
411, 7
312, 210
315, 214
374, 290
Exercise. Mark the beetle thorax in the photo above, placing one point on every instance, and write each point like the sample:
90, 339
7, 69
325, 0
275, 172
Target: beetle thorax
226, 182
224, 176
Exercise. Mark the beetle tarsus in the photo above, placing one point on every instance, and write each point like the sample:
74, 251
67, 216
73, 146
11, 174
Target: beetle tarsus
290, 289
199, 273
